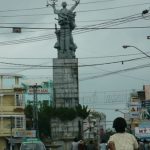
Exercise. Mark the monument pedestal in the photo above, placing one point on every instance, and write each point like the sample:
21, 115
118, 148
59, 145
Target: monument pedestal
67, 142
65, 79
55, 146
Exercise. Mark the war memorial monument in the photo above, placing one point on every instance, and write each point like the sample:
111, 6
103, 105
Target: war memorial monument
65, 66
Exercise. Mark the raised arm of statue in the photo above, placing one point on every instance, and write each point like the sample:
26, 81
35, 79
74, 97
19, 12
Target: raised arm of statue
54, 8
75, 5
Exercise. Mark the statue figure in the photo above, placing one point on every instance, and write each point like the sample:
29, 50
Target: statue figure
66, 19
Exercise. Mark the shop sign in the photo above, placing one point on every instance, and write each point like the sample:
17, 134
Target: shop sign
135, 108
39, 91
25, 133
142, 132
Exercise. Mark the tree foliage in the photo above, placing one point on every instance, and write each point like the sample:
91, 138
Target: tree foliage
46, 112
83, 112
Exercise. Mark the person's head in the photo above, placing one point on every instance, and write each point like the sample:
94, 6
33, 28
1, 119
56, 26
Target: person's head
64, 4
103, 141
75, 139
119, 124
81, 141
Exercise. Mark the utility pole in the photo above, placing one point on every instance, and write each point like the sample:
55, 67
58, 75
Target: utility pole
35, 108
98, 131
11, 127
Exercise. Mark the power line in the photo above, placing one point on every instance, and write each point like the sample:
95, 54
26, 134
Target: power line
39, 8
102, 75
87, 65
82, 30
98, 57
102, 9
81, 11
86, 28
77, 21
52, 36
110, 8
23, 9
96, 2
117, 72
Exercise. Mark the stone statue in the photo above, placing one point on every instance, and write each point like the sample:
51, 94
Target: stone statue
66, 19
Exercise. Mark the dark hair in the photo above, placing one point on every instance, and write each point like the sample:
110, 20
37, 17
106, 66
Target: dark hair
75, 139
103, 141
119, 124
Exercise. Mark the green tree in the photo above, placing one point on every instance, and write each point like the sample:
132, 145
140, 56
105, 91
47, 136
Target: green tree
46, 112
29, 115
44, 115
82, 111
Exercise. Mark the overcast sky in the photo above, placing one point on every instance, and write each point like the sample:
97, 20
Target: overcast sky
106, 84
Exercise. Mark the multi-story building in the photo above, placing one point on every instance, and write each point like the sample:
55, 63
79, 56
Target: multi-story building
94, 126
140, 112
12, 118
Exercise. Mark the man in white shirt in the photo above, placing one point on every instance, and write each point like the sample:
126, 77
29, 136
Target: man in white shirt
121, 139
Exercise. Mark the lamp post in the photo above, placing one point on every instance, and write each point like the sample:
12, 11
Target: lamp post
121, 112
35, 108
126, 46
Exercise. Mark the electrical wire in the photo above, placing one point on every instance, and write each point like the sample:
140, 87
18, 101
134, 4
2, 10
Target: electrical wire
117, 72
39, 8
87, 65
110, 8
81, 11
79, 31
97, 57
101, 75
90, 28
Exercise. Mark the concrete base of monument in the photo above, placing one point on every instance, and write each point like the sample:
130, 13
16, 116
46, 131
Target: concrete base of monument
55, 146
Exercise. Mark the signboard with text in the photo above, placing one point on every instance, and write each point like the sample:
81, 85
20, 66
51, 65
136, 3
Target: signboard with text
39, 91
25, 133
142, 132
135, 108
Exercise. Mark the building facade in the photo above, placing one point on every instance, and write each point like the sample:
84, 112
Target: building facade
12, 118
139, 110
94, 126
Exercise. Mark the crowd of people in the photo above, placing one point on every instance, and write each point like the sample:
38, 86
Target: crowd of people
144, 145
82, 145
120, 140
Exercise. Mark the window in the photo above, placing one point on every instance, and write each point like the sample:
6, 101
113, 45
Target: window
19, 99
19, 122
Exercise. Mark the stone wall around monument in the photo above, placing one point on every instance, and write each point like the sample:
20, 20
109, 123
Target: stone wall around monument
67, 129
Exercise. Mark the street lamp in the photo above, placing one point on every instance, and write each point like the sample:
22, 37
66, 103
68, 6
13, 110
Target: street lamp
126, 46
120, 112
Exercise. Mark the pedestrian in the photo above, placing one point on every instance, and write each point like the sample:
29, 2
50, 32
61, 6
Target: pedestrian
141, 145
74, 144
103, 145
91, 145
121, 139
146, 145
81, 145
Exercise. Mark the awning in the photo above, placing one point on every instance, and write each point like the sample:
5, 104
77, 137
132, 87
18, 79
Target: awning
14, 140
